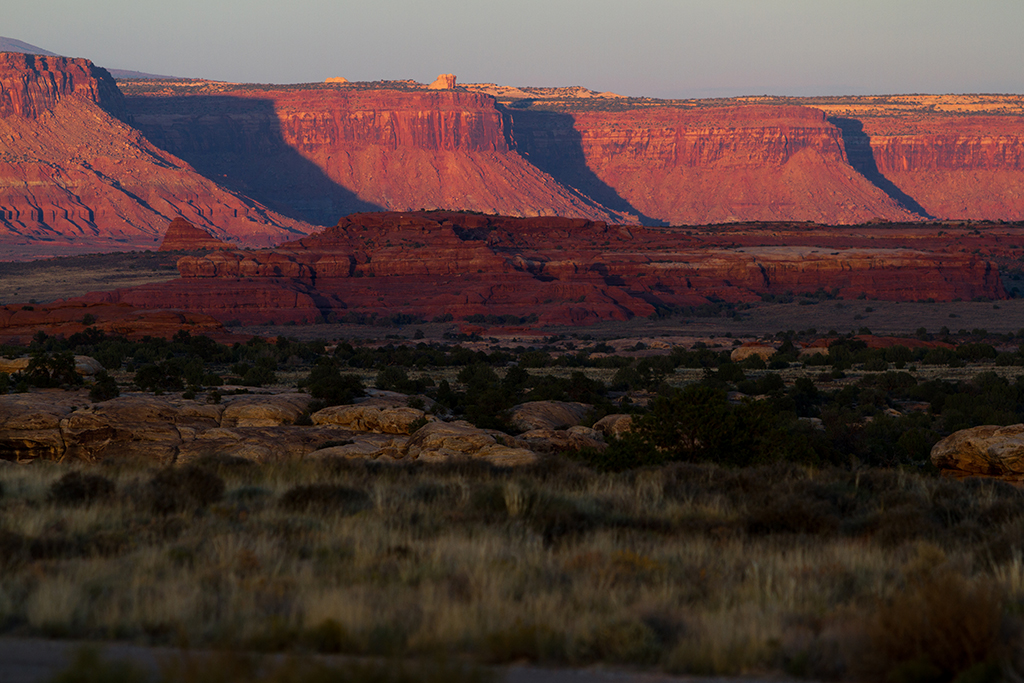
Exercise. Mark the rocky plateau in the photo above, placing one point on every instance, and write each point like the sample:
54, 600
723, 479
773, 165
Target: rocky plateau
454, 266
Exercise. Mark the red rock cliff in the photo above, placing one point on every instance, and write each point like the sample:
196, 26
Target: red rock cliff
75, 179
324, 152
967, 167
706, 165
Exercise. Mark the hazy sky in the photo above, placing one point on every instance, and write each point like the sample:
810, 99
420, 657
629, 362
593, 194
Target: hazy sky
660, 48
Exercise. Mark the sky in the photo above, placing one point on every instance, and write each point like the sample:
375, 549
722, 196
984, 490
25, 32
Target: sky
640, 48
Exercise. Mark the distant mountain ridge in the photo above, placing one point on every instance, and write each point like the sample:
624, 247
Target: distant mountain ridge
15, 45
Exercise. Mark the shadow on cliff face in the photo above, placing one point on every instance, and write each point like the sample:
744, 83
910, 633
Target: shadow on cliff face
862, 158
237, 142
549, 140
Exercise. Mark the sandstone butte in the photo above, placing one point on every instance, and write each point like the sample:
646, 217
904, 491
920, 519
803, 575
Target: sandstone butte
183, 236
562, 270
75, 177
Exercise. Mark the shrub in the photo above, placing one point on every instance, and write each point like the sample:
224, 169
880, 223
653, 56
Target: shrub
75, 488
159, 377
177, 490
942, 625
50, 370
326, 384
104, 389
323, 498
89, 667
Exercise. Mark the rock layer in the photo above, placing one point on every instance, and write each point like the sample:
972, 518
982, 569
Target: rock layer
704, 166
554, 270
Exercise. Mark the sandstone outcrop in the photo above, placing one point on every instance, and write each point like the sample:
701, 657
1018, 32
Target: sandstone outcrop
264, 410
369, 418
574, 438
953, 167
183, 236
365, 447
741, 353
614, 425
56, 424
547, 415
442, 441
558, 270
443, 82
989, 450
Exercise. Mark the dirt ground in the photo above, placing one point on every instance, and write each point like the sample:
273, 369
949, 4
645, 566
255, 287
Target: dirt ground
38, 660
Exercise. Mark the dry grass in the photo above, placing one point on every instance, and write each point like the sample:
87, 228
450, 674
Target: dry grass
673, 568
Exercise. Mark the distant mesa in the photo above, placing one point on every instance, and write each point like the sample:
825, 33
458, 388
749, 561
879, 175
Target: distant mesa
129, 75
183, 236
443, 82
341, 80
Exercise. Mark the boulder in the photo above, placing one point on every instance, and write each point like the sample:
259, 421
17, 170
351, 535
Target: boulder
264, 410
741, 353
547, 415
369, 418
443, 441
988, 450
13, 365
368, 446
87, 366
561, 440
614, 425
30, 424
140, 427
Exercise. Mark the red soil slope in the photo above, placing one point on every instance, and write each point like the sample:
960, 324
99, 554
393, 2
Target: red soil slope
564, 271
75, 178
